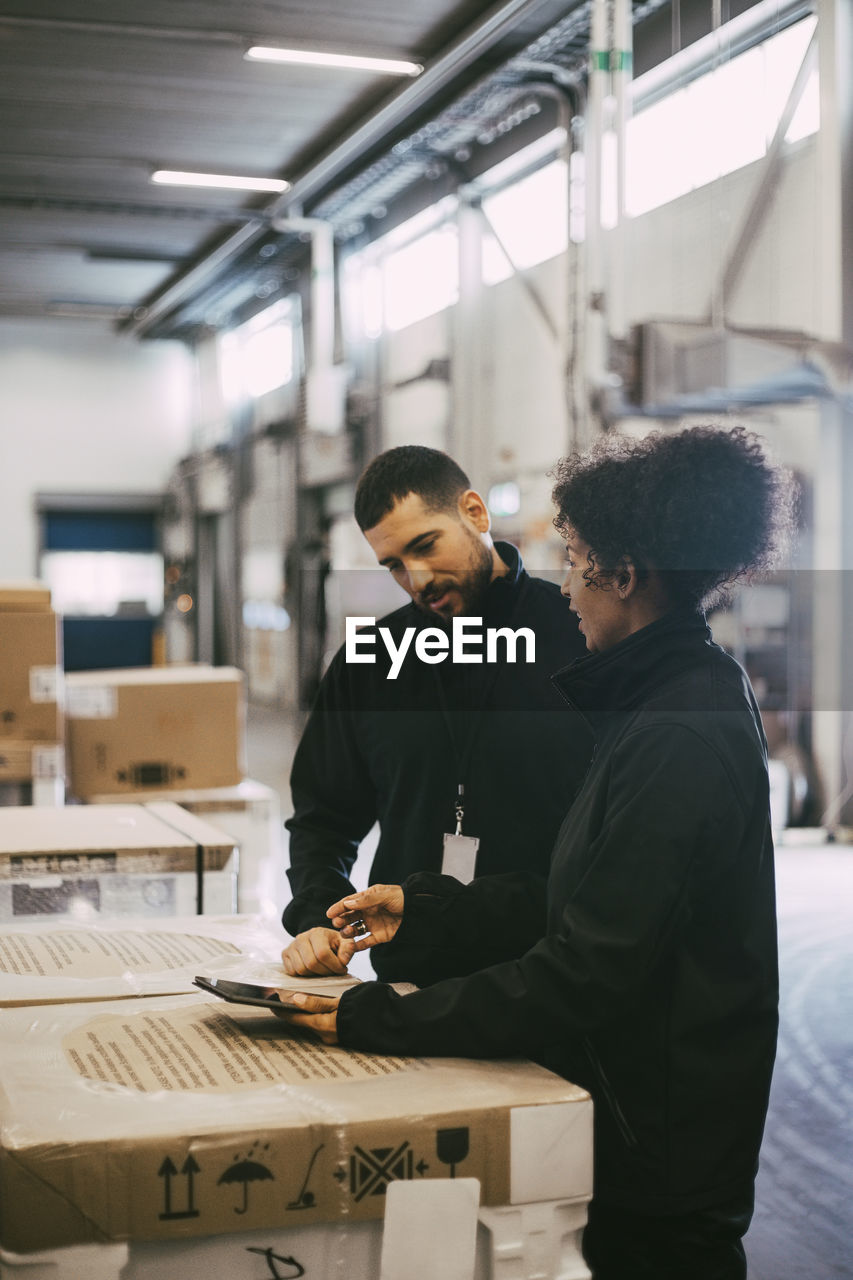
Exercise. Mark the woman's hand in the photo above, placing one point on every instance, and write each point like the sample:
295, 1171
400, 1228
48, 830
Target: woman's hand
316, 1013
366, 919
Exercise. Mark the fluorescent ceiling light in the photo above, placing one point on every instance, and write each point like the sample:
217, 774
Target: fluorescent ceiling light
224, 181
343, 61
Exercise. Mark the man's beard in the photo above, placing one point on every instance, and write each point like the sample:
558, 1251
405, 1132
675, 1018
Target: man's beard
470, 585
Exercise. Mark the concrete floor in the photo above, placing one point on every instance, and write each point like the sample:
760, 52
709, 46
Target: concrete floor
803, 1225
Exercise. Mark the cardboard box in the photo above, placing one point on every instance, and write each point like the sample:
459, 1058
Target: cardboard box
31, 761
31, 684
26, 595
155, 729
251, 813
138, 860
59, 962
179, 1117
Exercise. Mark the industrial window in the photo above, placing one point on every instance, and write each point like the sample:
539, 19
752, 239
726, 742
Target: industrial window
102, 563
257, 357
719, 122
105, 584
530, 219
421, 278
104, 567
404, 276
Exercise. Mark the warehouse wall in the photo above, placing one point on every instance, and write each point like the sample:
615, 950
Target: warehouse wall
504, 411
83, 410
676, 254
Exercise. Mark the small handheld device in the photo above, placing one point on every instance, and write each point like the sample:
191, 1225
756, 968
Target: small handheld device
249, 993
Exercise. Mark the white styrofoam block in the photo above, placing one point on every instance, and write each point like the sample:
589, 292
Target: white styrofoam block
89, 1261
551, 1152
430, 1230
533, 1242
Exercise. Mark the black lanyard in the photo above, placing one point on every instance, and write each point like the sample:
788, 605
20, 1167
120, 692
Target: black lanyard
462, 752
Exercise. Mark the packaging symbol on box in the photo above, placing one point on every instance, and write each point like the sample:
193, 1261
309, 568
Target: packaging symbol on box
177, 1118
139, 860
155, 728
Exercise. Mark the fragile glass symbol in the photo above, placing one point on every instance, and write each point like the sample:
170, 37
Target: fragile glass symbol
451, 1146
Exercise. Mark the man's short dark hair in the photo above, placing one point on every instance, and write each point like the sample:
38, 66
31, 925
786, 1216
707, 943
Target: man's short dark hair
411, 468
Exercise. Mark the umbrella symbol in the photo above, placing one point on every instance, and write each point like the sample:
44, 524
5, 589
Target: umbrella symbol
246, 1171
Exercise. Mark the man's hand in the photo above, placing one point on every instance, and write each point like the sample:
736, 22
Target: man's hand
320, 1013
366, 919
317, 952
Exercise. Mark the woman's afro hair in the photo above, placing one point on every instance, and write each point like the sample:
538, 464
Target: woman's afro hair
704, 507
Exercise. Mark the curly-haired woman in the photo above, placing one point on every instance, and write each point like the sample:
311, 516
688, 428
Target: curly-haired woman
647, 971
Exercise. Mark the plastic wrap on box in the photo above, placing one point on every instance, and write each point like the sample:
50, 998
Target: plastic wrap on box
56, 963
176, 1118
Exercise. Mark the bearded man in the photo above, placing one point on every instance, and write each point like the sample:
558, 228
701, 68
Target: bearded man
468, 765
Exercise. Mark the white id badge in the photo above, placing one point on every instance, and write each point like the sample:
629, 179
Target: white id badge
460, 856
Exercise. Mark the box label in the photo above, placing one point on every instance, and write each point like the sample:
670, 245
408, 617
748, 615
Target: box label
49, 762
94, 953
91, 702
201, 1048
24, 866
45, 684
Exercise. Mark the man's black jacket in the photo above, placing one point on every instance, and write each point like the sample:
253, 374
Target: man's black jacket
647, 973
395, 750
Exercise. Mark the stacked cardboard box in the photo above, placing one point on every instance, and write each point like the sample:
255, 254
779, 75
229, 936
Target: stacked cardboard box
150, 729
115, 860
31, 725
251, 813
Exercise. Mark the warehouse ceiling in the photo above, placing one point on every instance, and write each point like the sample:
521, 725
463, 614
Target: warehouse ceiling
97, 94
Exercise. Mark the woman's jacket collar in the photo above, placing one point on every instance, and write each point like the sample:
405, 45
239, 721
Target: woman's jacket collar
622, 677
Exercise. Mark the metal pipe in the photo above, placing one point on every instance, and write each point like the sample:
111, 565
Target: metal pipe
595, 325
621, 70
322, 285
145, 317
